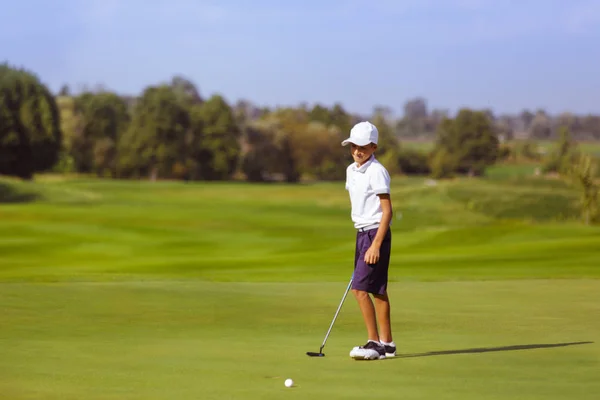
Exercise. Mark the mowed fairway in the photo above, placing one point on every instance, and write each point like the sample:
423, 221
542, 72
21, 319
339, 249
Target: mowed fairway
137, 290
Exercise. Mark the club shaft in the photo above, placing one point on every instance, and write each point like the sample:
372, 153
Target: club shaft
337, 312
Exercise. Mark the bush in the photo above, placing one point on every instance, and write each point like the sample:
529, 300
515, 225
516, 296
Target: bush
560, 164
528, 150
65, 164
442, 165
504, 152
582, 172
413, 162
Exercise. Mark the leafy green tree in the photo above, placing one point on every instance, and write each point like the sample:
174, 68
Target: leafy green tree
286, 128
280, 153
30, 135
320, 113
415, 120
341, 119
186, 91
103, 119
64, 91
565, 144
70, 125
470, 142
413, 162
156, 142
260, 154
540, 127
388, 146
337, 117
215, 149
565, 154
319, 153
442, 164
583, 174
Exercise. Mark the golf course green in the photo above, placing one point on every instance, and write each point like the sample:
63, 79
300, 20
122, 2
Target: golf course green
210, 290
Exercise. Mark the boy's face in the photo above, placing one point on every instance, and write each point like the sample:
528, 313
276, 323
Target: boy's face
361, 154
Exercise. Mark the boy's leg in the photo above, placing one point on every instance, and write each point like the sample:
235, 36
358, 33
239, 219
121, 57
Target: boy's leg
368, 312
382, 307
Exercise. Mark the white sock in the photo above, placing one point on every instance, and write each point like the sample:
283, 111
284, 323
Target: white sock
388, 344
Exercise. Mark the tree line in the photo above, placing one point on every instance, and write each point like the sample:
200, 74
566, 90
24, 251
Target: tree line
170, 131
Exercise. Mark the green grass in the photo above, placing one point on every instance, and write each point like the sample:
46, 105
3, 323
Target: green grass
137, 290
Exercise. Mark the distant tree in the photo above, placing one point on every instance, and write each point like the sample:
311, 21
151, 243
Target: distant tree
568, 121
540, 127
246, 112
583, 173
384, 112
525, 119
442, 164
415, 109
341, 119
565, 154
470, 142
320, 113
528, 150
288, 127
64, 90
413, 162
185, 90
157, 140
299, 146
103, 118
590, 126
319, 152
30, 135
70, 126
489, 113
215, 149
503, 128
416, 120
388, 146
434, 119
279, 129
337, 116
565, 144
260, 155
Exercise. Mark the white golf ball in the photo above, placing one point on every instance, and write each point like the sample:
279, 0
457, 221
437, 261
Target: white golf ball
289, 383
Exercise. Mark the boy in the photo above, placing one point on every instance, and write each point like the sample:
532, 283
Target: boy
368, 184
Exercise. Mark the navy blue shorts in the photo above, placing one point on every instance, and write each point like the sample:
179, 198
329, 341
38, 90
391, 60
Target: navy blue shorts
372, 278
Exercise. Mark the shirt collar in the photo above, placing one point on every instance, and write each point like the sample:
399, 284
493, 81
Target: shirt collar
363, 167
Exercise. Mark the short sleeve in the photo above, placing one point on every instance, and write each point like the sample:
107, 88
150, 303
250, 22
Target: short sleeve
348, 178
380, 181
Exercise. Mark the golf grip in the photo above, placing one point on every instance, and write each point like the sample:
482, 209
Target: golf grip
337, 312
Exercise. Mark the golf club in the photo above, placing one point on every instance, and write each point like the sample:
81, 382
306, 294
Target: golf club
320, 353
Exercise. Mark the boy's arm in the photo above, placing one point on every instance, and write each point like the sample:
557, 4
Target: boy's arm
372, 254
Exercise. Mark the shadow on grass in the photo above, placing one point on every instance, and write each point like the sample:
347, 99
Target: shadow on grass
489, 349
9, 194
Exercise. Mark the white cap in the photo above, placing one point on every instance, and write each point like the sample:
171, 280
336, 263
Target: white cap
362, 134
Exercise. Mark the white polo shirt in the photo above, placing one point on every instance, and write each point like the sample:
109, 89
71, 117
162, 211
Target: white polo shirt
364, 184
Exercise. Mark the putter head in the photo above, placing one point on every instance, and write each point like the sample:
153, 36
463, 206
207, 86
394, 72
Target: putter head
313, 354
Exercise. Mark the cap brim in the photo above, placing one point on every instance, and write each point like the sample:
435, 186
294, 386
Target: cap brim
354, 141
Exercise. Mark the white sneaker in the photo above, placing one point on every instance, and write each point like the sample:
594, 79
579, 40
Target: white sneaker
370, 351
390, 349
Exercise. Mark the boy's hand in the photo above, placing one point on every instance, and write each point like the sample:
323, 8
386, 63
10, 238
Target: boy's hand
372, 255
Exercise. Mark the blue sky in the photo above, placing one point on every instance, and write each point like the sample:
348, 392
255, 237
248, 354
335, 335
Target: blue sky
500, 54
